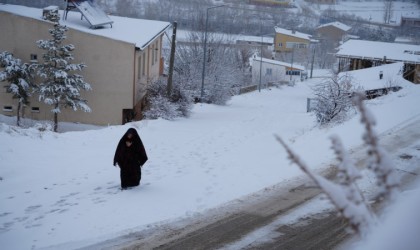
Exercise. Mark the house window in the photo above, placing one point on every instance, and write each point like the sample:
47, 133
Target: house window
291, 45
139, 67
302, 45
7, 108
153, 55
34, 58
293, 72
156, 51
268, 72
280, 44
35, 110
143, 65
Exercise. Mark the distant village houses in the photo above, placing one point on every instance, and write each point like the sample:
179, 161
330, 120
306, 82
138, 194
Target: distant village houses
322, 1
335, 32
410, 22
122, 58
289, 40
254, 42
273, 3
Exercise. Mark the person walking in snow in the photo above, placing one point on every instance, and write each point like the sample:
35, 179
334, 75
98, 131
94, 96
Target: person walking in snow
130, 156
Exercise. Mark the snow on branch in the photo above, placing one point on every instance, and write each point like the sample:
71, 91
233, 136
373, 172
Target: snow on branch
346, 196
347, 199
379, 162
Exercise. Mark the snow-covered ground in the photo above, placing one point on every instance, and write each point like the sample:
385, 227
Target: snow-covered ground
61, 190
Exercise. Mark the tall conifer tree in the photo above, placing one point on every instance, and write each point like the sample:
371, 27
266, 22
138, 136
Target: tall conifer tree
60, 86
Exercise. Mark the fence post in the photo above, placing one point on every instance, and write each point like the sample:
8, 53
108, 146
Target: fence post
308, 104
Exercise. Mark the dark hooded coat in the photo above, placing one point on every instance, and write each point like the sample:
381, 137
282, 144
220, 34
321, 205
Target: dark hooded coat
130, 159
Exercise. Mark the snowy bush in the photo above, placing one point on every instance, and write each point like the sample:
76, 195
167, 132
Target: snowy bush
160, 105
223, 69
333, 99
345, 195
391, 82
41, 127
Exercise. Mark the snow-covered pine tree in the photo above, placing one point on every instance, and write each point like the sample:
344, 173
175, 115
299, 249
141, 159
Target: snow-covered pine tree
19, 76
60, 86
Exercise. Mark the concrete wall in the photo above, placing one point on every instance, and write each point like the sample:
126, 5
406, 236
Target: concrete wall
112, 70
278, 72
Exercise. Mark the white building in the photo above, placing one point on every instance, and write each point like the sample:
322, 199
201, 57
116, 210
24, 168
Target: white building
266, 71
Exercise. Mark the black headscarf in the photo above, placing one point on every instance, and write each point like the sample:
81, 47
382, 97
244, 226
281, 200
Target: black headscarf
137, 144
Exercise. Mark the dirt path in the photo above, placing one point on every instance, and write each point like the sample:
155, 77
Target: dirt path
221, 227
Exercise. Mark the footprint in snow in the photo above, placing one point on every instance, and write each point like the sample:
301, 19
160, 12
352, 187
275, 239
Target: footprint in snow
31, 209
6, 227
5, 214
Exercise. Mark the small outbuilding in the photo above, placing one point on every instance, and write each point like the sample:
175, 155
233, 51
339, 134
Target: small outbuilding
360, 54
266, 71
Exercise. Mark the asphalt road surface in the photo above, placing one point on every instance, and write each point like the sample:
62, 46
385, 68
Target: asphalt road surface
223, 227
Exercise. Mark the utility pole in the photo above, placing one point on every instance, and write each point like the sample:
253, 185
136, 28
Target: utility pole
291, 68
313, 59
171, 61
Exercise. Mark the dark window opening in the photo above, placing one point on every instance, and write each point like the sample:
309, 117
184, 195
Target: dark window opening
34, 58
7, 108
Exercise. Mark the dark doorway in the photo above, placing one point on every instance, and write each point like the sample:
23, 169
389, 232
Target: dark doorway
128, 115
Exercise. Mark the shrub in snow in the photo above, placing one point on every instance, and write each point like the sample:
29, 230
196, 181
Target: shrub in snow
20, 78
223, 69
60, 87
333, 99
160, 105
391, 82
345, 195
42, 127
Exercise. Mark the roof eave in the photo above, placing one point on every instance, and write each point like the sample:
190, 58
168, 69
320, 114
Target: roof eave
153, 38
376, 58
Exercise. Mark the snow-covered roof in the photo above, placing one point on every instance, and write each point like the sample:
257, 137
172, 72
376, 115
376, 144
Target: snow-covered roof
368, 78
403, 39
256, 39
185, 36
338, 25
292, 33
378, 50
139, 32
285, 64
